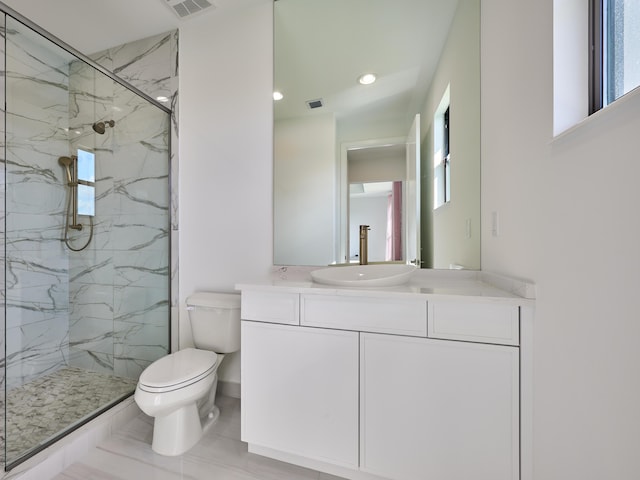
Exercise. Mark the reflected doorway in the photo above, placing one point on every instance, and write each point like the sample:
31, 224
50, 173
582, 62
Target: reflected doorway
378, 205
375, 173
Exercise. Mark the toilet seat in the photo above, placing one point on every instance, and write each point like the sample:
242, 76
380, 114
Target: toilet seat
178, 370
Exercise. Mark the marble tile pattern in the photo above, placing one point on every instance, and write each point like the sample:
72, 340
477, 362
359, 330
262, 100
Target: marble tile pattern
220, 455
92, 308
36, 263
38, 410
2, 227
151, 65
106, 308
119, 285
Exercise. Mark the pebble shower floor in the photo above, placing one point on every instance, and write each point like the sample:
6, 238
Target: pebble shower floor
38, 410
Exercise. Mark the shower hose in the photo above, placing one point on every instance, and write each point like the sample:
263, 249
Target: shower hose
66, 228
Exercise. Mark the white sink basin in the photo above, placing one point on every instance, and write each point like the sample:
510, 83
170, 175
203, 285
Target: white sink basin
388, 275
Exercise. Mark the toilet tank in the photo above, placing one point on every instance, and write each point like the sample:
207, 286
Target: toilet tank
215, 321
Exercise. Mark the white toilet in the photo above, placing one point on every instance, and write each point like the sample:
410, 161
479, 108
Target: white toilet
179, 390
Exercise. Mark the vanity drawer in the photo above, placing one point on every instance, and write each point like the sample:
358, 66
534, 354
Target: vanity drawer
270, 307
365, 314
474, 322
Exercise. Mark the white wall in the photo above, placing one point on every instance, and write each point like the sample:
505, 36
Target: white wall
377, 169
569, 221
568, 214
304, 181
461, 73
225, 154
370, 211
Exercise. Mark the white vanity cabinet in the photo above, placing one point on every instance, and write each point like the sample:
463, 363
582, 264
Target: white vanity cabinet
300, 391
373, 386
437, 409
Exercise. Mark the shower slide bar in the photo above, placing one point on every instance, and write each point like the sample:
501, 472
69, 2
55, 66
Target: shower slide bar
71, 166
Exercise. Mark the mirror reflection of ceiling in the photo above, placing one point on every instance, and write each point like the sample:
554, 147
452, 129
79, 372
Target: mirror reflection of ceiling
373, 189
320, 53
377, 152
426, 55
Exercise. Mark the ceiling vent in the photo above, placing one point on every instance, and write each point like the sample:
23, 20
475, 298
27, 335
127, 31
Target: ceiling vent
188, 8
314, 103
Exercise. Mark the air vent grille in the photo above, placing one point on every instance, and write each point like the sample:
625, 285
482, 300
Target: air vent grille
314, 103
186, 8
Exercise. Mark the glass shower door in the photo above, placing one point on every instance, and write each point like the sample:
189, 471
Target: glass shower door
86, 240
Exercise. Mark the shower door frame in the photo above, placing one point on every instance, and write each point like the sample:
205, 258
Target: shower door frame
8, 11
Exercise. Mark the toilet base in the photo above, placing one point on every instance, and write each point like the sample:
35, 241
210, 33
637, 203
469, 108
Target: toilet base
177, 432
183, 431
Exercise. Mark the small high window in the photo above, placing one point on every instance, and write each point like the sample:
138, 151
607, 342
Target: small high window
86, 183
441, 154
615, 50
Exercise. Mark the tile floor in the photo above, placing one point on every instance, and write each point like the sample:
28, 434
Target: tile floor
220, 455
41, 409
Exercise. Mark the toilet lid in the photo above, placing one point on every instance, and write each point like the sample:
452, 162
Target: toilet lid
178, 369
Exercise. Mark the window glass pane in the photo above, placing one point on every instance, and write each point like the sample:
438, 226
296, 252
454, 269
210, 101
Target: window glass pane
441, 156
86, 166
86, 200
621, 48
447, 180
438, 180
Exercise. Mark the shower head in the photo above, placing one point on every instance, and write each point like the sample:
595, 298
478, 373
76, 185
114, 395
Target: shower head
100, 127
66, 162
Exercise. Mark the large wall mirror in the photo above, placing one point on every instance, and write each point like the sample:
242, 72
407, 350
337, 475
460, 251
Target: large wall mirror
344, 154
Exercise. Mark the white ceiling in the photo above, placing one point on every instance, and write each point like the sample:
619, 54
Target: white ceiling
323, 46
377, 153
400, 40
372, 189
90, 26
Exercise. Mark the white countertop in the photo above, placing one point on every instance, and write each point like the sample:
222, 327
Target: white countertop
432, 284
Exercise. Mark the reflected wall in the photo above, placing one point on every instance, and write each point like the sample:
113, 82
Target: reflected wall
450, 235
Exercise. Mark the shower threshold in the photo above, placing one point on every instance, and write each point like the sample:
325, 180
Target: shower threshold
51, 406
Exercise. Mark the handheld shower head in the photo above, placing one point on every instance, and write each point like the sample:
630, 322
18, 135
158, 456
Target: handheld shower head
100, 127
66, 162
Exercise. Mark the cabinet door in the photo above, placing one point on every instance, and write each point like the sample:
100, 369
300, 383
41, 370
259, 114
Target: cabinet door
438, 410
300, 391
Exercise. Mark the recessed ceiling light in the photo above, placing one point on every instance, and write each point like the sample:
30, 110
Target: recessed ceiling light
367, 78
162, 99
277, 96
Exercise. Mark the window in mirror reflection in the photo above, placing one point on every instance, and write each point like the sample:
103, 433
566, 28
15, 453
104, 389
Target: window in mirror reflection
379, 205
442, 154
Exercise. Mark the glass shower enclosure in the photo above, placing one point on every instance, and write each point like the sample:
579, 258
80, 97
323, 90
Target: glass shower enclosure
85, 238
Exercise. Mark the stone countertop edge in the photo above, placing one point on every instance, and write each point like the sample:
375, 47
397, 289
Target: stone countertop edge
440, 285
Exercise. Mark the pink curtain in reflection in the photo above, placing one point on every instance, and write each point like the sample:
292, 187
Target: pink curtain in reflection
394, 223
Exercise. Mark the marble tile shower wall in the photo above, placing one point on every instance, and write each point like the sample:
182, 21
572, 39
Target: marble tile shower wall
37, 273
151, 65
62, 309
119, 286
2, 218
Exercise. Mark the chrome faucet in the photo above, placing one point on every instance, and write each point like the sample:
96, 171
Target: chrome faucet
364, 244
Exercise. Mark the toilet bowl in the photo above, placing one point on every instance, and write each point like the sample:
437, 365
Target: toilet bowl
178, 390
169, 390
